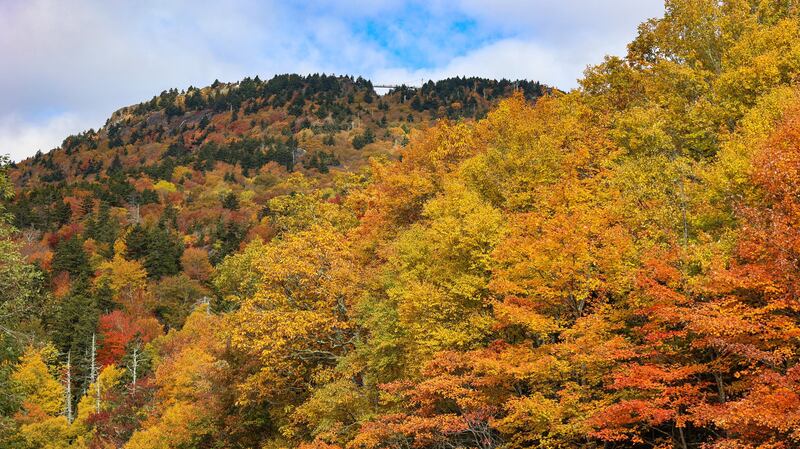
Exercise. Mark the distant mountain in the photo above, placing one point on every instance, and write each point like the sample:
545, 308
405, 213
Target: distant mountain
252, 122
170, 154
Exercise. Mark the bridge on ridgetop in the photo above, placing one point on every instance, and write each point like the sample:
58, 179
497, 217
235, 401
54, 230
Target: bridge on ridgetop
393, 86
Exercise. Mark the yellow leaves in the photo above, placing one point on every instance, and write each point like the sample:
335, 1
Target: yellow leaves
332, 409
395, 198
42, 395
180, 172
662, 200
400, 189
763, 58
108, 378
119, 246
192, 378
529, 148
551, 422
434, 320
298, 315
304, 206
180, 425
188, 370
195, 264
520, 312
164, 187
564, 260
643, 131
127, 279
446, 147
50, 433
440, 269
298, 211
728, 178
124, 275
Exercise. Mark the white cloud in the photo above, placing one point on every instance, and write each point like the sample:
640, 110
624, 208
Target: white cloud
68, 65
20, 138
565, 19
550, 41
510, 58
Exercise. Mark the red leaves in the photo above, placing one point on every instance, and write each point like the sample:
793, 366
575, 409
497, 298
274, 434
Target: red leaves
652, 377
769, 249
452, 402
118, 329
713, 354
755, 321
768, 416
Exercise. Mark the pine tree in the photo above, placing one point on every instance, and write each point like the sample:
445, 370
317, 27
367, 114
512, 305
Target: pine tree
61, 213
230, 201
70, 256
87, 205
164, 250
136, 243
115, 166
72, 329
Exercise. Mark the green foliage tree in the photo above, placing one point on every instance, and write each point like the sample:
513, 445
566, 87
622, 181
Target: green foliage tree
69, 256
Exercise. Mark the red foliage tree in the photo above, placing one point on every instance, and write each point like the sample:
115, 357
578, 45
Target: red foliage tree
117, 329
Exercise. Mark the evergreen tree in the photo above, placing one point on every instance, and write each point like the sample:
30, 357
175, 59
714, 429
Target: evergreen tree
103, 296
70, 256
227, 238
164, 250
136, 242
72, 329
364, 139
61, 213
230, 201
87, 205
102, 229
169, 217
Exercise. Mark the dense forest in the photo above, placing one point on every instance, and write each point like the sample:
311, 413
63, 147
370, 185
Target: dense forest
301, 263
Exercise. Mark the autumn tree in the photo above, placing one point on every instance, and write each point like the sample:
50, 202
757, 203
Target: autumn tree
299, 321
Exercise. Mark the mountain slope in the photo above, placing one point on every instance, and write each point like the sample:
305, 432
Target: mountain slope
212, 157
616, 266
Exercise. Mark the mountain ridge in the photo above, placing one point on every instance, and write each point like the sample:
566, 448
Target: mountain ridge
212, 158
285, 104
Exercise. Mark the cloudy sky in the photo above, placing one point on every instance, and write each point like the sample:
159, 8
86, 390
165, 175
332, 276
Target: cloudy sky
67, 64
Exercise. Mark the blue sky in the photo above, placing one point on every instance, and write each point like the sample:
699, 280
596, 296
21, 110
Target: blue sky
69, 63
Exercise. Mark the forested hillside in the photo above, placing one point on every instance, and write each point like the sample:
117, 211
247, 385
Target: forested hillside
300, 263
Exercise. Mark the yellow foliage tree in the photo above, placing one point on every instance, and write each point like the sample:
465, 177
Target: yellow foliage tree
127, 279
189, 371
298, 321
42, 422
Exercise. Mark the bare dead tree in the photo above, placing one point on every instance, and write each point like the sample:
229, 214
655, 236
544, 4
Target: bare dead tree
68, 389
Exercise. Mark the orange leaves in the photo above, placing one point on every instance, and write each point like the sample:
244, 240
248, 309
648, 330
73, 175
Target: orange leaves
451, 404
652, 377
399, 430
751, 326
515, 311
768, 416
34, 383
665, 397
118, 329
441, 148
400, 189
194, 262
566, 249
190, 375
563, 260
770, 243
